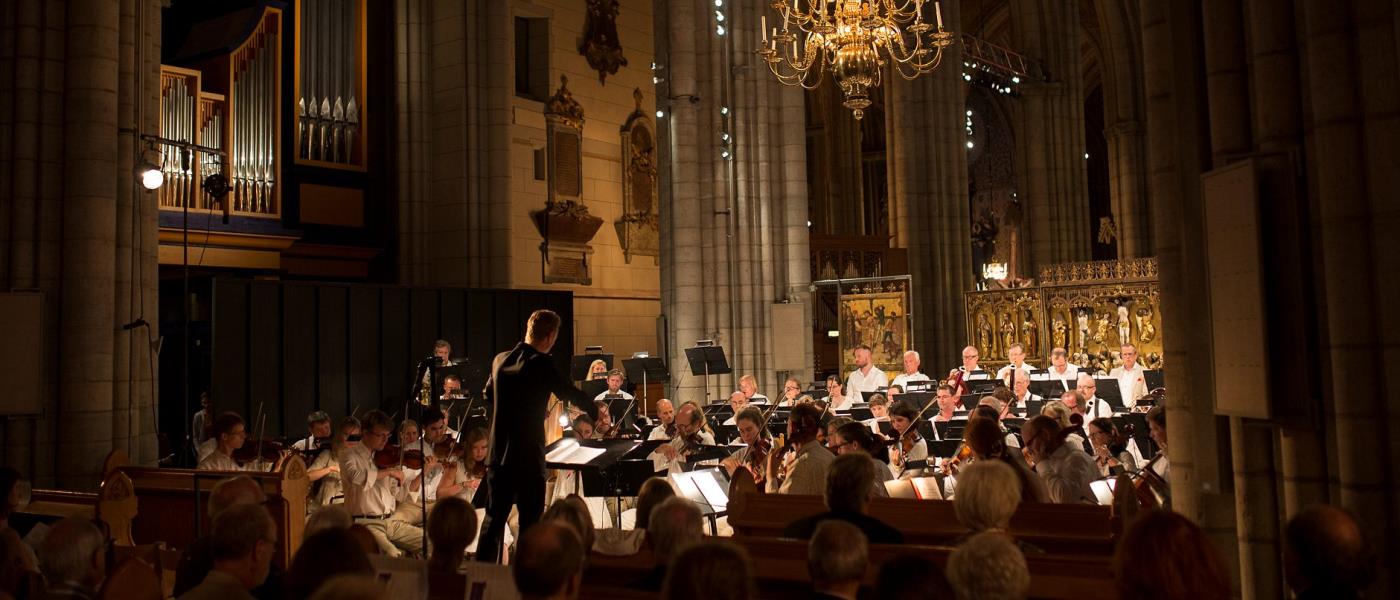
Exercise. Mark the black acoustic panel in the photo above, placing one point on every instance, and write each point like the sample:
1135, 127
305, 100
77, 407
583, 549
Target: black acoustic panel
363, 347
230, 349
424, 321
332, 356
508, 320
299, 352
453, 320
481, 327
264, 345
395, 360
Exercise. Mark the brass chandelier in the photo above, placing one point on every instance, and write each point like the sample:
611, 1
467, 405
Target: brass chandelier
858, 38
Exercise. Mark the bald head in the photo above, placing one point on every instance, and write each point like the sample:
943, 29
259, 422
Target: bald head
234, 491
548, 561
73, 551
1327, 551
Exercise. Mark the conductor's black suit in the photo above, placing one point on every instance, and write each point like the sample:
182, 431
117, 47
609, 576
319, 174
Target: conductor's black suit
518, 389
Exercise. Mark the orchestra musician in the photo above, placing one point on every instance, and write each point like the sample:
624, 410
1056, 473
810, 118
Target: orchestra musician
325, 469
911, 371
737, 403
615, 381
1110, 448
691, 434
957, 378
836, 393
518, 391
879, 411
947, 404
866, 377
1016, 353
749, 386
800, 466
753, 457
452, 387
1066, 419
908, 446
230, 434
987, 441
792, 388
1159, 466
371, 493
855, 437
1065, 471
318, 428
1131, 382
597, 369
1061, 369
1094, 407
435, 428
1021, 394
203, 427
665, 428
604, 426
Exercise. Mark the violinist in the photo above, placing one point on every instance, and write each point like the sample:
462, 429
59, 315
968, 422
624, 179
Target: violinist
370, 491
831, 439
856, 437
757, 444
1110, 448
325, 469
800, 466
908, 446
1065, 471
947, 404
691, 435
408, 435
1159, 467
737, 403
665, 428
230, 434
318, 429
985, 441
457, 473
435, 429
879, 411
582, 428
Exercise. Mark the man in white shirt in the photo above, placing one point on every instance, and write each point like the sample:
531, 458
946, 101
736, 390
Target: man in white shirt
229, 435
911, 371
1065, 470
957, 378
615, 379
1016, 353
665, 421
1061, 369
690, 431
1094, 407
749, 386
737, 403
1022, 394
1131, 383
867, 377
318, 427
370, 491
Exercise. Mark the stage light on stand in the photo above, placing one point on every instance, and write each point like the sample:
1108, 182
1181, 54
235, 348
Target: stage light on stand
148, 170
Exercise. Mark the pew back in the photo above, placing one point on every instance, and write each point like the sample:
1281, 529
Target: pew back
114, 504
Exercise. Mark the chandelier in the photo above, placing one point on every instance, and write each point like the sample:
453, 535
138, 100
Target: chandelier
858, 38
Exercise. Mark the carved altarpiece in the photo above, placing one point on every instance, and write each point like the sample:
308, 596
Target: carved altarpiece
637, 230
565, 223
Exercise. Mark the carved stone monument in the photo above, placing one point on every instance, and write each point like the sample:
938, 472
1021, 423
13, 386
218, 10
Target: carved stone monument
565, 223
637, 229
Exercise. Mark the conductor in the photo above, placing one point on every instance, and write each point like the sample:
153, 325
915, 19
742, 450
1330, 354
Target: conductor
521, 382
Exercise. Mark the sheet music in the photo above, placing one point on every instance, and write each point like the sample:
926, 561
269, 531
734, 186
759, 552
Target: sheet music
926, 488
713, 493
573, 454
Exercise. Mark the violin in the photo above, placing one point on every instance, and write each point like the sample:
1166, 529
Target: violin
393, 457
964, 454
265, 449
757, 460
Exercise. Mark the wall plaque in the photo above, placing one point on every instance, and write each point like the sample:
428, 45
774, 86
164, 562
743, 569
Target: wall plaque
564, 222
637, 230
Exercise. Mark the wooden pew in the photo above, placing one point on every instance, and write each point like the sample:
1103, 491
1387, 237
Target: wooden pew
174, 501
1075, 529
114, 504
781, 568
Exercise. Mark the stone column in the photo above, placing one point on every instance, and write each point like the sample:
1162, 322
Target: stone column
466, 217
1051, 138
928, 192
413, 48
1126, 131
734, 235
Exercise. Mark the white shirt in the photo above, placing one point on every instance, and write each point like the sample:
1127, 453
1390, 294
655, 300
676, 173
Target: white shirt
206, 447
658, 433
903, 379
917, 453
659, 461
305, 443
218, 461
857, 382
758, 398
1004, 373
845, 403
1131, 384
1021, 402
1070, 375
604, 394
366, 494
330, 491
1095, 408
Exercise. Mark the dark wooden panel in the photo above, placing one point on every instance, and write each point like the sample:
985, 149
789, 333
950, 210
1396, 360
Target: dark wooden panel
230, 346
363, 346
265, 346
332, 355
299, 356
454, 320
396, 362
423, 316
481, 328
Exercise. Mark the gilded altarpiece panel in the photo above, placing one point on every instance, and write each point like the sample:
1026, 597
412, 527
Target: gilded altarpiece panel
876, 314
1091, 309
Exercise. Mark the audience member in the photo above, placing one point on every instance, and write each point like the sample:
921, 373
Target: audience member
807, 471
242, 541
1065, 470
654, 491
836, 560
988, 493
323, 556
15, 492
329, 517
197, 560
848, 491
912, 577
19, 573
674, 525
451, 528
1326, 555
1164, 555
988, 567
73, 558
572, 511
711, 570
984, 436
350, 587
548, 562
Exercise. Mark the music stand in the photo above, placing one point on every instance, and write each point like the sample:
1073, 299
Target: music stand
578, 366
708, 489
1109, 392
1154, 378
647, 368
707, 359
594, 387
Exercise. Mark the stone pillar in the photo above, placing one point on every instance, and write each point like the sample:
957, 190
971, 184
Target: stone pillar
466, 215
1051, 133
413, 48
928, 192
83, 81
1126, 131
733, 231
1349, 60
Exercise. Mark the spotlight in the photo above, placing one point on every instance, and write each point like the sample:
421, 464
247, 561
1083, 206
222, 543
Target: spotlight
216, 185
148, 170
